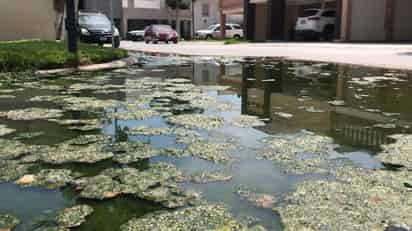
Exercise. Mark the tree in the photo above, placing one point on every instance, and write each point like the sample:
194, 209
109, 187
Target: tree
177, 5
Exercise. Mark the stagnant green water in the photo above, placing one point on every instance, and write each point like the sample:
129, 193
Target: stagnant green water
261, 87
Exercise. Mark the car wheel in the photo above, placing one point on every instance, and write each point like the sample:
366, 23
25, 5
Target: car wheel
116, 42
155, 42
146, 41
175, 41
167, 42
328, 33
209, 36
236, 36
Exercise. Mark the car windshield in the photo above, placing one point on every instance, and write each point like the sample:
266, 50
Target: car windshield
211, 27
308, 13
163, 27
94, 20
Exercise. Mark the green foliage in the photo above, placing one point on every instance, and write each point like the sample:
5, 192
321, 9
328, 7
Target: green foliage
180, 4
26, 55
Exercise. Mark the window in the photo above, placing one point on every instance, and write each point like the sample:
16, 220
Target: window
236, 27
308, 13
227, 27
205, 9
125, 3
330, 13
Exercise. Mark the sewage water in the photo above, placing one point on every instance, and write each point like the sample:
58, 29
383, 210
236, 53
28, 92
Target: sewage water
290, 97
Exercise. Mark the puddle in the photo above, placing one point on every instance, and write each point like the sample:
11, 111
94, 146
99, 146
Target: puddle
225, 109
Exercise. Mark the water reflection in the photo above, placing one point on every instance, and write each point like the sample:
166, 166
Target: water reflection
266, 88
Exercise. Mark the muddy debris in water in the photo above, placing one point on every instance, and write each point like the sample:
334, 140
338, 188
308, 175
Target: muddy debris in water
261, 200
202, 217
4, 130
398, 153
196, 121
74, 216
328, 205
7, 96
133, 151
8, 222
47, 178
89, 139
13, 149
98, 187
216, 152
32, 114
210, 177
247, 121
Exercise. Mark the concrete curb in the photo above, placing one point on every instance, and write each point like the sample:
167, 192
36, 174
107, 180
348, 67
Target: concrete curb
131, 60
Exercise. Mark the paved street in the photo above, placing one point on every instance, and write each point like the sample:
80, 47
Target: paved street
397, 56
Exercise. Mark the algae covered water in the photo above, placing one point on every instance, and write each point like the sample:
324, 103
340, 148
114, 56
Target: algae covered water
206, 143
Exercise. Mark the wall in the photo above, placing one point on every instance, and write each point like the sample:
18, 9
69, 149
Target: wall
23, 19
202, 22
261, 22
367, 20
402, 30
104, 7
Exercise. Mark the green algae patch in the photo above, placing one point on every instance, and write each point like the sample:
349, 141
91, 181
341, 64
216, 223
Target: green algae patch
301, 153
4, 130
12, 170
74, 216
196, 121
8, 222
32, 114
47, 178
247, 121
133, 151
216, 152
398, 153
154, 183
133, 115
203, 217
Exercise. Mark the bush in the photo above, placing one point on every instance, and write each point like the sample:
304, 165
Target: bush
26, 55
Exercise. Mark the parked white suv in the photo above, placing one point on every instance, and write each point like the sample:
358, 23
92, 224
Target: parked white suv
316, 24
213, 31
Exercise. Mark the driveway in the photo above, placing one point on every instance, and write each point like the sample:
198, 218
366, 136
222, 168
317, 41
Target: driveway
398, 56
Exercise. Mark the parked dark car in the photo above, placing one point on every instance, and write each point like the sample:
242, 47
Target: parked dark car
162, 33
97, 28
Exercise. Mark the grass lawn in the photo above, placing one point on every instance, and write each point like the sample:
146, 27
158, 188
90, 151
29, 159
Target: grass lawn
33, 55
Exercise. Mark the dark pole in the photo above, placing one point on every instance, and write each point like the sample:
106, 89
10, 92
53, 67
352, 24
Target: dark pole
71, 26
193, 19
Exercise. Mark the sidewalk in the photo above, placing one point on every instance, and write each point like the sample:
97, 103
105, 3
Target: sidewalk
398, 56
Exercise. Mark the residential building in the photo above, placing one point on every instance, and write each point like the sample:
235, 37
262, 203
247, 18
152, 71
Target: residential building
22, 19
205, 13
137, 14
357, 20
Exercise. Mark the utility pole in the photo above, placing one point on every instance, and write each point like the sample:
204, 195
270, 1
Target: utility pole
112, 21
71, 26
193, 19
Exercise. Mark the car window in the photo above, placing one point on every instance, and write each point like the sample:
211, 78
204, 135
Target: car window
163, 27
94, 20
217, 28
227, 27
308, 13
330, 13
211, 27
237, 27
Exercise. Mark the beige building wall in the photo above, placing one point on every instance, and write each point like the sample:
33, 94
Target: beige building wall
367, 23
402, 30
27, 19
